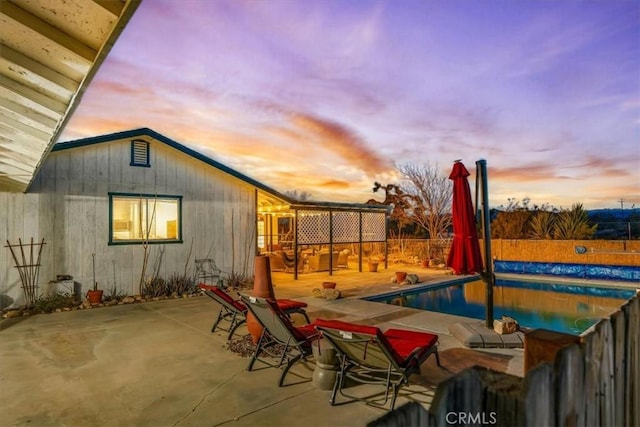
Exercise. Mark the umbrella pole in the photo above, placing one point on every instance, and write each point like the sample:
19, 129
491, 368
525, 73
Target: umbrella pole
487, 276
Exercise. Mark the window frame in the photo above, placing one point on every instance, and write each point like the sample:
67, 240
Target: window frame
138, 196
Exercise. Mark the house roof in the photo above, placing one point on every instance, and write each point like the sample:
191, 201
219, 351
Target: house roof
269, 195
49, 52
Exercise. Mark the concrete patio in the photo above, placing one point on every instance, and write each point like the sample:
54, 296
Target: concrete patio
158, 364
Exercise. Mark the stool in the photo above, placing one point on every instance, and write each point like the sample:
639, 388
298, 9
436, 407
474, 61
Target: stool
326, 370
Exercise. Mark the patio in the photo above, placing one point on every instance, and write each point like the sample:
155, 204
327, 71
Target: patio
157, 363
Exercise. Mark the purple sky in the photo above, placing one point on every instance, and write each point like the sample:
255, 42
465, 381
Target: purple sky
326, 96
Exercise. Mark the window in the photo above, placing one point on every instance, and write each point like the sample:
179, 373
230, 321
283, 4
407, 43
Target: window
139, 153
137, 218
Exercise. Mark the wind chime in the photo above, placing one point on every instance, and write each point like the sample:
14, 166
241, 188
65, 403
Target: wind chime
28, 264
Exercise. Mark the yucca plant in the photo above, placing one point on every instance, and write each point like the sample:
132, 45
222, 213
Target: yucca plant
574, 224
542, 225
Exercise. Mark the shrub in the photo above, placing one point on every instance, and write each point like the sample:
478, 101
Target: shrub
47, 304
180, 284
156, 287
238, 281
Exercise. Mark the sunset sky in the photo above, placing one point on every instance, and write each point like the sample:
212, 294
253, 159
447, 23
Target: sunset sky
326, 96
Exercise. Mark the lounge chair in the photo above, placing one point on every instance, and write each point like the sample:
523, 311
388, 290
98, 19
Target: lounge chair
369, 356
280, 339
234, 312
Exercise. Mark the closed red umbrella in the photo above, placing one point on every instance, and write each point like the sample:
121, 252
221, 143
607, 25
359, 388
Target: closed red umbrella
464, 257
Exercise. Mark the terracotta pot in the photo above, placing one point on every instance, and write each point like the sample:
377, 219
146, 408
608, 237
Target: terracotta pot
401, 276
425, 263
328, 285
373, 267
94, 296
263, 288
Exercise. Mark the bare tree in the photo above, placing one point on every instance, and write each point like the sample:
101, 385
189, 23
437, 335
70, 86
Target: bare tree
145, 230
300, 196
430, 197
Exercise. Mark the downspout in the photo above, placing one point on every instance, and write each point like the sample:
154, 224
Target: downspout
487, 275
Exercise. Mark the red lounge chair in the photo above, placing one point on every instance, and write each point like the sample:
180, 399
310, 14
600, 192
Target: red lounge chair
235, 312
280, 339
369, 356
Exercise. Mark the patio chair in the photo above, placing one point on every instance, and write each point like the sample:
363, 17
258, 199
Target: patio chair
280, 339
289, 261
234, 312
369, 356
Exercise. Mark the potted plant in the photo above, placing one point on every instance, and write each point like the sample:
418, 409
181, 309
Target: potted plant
373, 264
94, 295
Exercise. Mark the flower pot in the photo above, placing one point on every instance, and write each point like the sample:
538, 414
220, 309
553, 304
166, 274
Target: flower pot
401, 276
94, 296
373, 267
425, 263
328, 285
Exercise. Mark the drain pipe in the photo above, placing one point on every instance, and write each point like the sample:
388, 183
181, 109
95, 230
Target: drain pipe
487, 276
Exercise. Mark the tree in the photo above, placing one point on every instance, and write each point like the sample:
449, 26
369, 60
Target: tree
432, 193
423, 198
300, 196
399, 202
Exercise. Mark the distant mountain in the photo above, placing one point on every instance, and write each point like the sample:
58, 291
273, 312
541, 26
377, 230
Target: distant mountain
614, 214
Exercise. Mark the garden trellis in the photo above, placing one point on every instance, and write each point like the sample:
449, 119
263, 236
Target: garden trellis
28, 264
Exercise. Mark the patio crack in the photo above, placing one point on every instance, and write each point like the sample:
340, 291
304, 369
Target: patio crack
262, 408
205, 397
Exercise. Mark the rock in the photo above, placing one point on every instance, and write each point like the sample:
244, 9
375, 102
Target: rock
412, 278
138, 298
330, 294
86, 304
111, 303
128, 300
507, 325
12, 313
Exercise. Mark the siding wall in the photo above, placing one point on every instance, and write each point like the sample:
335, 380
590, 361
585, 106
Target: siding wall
68, 206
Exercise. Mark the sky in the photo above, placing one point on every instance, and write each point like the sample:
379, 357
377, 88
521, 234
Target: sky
329, 96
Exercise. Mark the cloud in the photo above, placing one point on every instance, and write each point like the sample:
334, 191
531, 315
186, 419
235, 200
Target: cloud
340, 140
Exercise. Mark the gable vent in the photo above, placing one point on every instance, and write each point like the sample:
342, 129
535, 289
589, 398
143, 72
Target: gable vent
139, 153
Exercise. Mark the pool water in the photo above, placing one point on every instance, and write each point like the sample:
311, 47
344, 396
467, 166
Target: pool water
562, 307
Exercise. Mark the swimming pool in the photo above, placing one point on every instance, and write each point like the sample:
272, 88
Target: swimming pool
563, 307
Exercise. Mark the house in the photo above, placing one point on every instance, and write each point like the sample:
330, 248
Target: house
95, 201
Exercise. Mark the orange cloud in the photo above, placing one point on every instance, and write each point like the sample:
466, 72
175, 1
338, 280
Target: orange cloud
341, 141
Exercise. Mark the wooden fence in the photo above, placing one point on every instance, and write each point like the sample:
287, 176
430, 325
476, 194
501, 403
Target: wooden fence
594, 383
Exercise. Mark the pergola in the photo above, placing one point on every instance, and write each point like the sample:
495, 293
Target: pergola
297, 225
